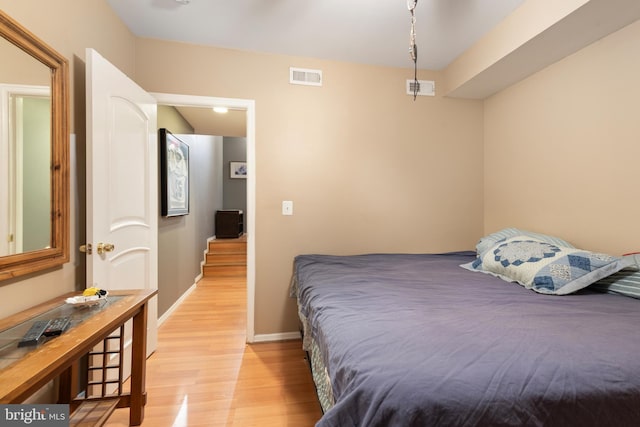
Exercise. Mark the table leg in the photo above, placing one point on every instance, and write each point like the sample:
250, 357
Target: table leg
138, 366
68, 384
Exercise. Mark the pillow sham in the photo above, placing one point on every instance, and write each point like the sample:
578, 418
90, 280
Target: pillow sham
487, 242
624, 282
544, 267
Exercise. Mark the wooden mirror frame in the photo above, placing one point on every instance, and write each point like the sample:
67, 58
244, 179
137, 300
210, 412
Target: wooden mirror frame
58, 252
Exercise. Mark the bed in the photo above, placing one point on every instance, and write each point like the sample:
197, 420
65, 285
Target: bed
417, 340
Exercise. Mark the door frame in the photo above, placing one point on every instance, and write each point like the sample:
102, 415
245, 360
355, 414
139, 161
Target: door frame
249, 106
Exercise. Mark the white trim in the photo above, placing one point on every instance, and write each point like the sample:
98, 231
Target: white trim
284, 336
249, 105
204, 259
176, 304
16, 141
201, 275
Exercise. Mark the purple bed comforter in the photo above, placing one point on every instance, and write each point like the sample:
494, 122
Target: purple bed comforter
416, 340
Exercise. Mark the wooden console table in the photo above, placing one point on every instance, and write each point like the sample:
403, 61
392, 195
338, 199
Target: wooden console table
24, 370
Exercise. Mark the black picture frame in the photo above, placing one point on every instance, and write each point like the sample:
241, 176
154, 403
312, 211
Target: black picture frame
174, 174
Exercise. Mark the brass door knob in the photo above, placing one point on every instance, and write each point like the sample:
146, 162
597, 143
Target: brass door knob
86, 248
105, 247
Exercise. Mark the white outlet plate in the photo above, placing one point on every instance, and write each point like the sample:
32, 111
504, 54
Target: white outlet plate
287, 207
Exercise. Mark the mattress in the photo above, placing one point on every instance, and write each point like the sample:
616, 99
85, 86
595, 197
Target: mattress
416, 340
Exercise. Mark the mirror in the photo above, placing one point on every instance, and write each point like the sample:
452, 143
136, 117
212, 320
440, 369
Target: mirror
34, 153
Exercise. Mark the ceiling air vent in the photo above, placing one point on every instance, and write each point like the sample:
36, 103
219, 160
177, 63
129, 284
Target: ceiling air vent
425, 87
304, 76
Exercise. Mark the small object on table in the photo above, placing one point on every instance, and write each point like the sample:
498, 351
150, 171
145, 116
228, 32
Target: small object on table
94, 291
90, 296
57, 326
34, 334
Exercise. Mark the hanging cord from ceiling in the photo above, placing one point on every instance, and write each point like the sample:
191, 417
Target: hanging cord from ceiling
413, 48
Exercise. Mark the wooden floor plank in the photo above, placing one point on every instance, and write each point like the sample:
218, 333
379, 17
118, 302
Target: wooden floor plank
205, 374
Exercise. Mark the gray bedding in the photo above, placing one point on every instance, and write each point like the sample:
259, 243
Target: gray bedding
416, 340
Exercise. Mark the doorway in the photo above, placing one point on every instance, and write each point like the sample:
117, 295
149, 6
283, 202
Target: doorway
247, 105
25, 126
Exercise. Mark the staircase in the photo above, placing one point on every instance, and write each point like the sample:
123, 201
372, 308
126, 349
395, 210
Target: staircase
226, 258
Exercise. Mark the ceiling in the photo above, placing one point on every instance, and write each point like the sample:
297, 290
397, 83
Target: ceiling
376, 32
207, 122
362, 31
372, 32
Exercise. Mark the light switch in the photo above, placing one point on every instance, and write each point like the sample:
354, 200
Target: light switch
287, 207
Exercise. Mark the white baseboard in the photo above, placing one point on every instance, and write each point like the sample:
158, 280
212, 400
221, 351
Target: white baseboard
204, 259
285, 336
175, 305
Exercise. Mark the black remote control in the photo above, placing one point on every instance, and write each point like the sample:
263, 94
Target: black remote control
33, 335
57, 326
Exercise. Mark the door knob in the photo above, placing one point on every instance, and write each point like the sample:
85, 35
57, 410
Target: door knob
105, 247
86, 248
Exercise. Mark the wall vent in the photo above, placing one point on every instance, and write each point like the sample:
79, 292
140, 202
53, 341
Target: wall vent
304, 76
425, 87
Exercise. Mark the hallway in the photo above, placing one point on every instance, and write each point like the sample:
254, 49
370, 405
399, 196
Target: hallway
204, 374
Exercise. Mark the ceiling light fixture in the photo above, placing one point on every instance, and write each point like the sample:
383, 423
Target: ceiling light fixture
221, 110
183, 1
413, 49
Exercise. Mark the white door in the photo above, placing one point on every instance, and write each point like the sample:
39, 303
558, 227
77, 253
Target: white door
122, 181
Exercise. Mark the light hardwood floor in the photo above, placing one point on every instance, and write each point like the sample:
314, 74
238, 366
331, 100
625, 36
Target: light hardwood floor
204, 374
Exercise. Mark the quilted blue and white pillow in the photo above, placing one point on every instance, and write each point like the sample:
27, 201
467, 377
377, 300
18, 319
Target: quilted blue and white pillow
487, 242
544, 267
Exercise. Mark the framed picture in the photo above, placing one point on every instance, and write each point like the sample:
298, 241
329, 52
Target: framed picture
174, 175
238, 170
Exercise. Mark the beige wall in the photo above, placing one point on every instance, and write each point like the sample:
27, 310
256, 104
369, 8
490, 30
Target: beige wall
529, 20
562, 148
368, 169
169, 118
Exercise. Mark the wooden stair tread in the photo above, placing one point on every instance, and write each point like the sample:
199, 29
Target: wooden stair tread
219, 250
242, 239
226, 257
217, 242
224, 250
233, 247
225, 263
211, 254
